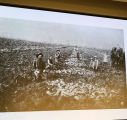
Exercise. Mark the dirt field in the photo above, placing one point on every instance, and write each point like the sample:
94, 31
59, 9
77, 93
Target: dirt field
73, 86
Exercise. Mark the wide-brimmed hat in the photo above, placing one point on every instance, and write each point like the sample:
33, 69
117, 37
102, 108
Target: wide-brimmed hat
58, 50
39, 54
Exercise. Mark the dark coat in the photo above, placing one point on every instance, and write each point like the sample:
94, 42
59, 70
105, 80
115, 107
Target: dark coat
39, 64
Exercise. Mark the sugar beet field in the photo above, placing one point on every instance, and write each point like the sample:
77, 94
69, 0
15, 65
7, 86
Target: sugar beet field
73, 86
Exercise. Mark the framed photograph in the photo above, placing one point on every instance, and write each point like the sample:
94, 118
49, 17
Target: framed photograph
53, 60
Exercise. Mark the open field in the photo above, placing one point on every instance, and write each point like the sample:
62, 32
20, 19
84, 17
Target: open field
73, 86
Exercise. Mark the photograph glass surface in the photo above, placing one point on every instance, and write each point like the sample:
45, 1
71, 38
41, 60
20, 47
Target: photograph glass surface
60, 64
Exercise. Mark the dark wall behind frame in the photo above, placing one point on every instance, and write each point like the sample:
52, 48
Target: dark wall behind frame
91, 7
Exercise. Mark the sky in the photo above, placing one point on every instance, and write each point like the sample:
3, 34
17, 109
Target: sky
60, 33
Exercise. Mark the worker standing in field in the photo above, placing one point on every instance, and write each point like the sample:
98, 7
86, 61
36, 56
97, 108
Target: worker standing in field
105, 60
57, 56
50, 63
57, 59
91, 63
95, 63
48, 67
78, 55
114, 56
39, 66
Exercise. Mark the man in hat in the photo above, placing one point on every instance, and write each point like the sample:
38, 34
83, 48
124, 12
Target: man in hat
39, 65
95, 63
91, 63
50, 63
57, 56
105, 60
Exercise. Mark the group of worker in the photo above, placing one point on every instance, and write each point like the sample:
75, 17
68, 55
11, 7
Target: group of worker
40, 66
94, 62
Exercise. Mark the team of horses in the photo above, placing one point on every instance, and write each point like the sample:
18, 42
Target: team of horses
118, 58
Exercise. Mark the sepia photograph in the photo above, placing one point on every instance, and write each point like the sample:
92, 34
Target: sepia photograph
48, 66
